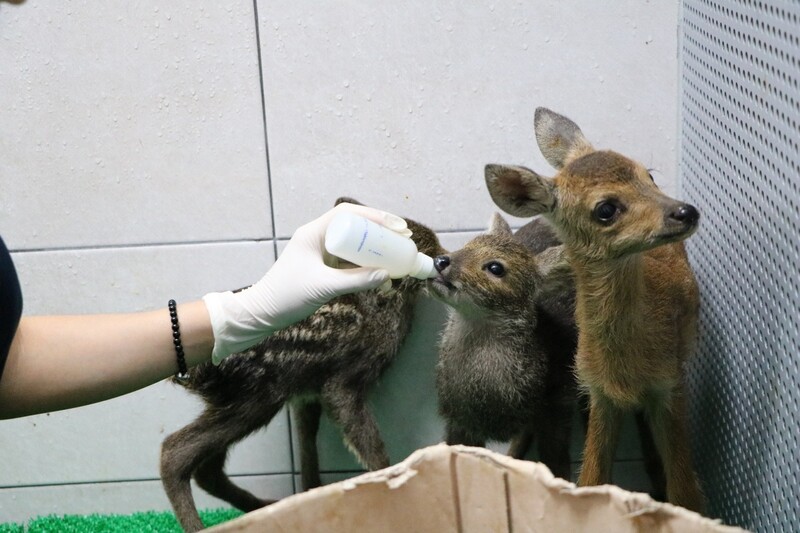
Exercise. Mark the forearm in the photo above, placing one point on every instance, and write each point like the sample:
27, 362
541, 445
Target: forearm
58, 362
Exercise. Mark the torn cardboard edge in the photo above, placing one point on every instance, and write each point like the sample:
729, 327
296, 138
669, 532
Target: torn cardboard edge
458, 488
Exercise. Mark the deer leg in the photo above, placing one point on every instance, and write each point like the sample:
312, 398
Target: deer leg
652, 460
350, 412
602, 435
307, 415
211, 477
667, 419
554, 437
176, 473
521, 443
458, 435
583, 410
183, 452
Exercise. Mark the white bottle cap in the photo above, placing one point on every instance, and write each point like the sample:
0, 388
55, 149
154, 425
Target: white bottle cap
423, 267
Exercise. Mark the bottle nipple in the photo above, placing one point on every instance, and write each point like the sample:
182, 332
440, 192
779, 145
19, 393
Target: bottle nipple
423, 267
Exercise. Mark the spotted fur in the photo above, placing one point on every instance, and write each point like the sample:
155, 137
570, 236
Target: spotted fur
328, 361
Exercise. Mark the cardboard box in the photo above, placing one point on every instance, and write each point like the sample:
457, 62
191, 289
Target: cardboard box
462, 489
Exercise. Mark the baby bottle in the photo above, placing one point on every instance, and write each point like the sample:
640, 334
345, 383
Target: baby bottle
365, 243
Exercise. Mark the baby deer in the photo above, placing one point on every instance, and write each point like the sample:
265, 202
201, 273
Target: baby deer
636, 296
329, 360
506, 353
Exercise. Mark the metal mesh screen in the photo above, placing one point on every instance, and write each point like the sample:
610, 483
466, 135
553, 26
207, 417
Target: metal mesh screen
739, 164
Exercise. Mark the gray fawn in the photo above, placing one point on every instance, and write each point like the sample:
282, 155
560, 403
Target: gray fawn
636, 295
328, 361
506, 352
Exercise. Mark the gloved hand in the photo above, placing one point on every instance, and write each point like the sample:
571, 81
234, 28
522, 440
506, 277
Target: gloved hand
298, 283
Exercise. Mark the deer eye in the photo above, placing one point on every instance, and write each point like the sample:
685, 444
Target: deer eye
605, 212
497, 269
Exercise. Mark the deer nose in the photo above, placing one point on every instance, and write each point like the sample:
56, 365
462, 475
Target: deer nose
686, 214
441, 262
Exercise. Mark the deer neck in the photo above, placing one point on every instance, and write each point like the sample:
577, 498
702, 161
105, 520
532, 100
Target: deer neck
610, 298
478, 329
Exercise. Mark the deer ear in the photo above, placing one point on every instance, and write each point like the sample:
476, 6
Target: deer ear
499, 226
559, 139
519, 191
343, 199
558, 278
553, 261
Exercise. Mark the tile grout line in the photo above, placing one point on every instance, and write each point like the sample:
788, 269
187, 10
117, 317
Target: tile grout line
122, 481
264, 124
274, 240
135, 246
271, 203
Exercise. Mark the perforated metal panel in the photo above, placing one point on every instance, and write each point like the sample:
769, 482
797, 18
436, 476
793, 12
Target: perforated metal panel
740, 123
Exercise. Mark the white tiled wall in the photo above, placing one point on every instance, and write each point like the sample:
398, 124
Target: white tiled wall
135, 167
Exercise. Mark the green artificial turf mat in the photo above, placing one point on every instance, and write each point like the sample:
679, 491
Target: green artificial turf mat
151, 521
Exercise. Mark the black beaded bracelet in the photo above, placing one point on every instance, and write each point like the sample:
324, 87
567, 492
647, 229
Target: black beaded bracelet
183, 372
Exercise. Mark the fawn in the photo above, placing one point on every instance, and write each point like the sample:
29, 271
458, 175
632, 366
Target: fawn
329, 360
636, 295
506, 352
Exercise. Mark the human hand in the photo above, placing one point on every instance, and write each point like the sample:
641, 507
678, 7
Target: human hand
299, 282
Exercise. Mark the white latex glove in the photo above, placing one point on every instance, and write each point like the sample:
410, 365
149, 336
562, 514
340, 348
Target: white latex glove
298, 283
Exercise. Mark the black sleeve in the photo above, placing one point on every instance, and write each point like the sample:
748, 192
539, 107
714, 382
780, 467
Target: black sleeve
10, 303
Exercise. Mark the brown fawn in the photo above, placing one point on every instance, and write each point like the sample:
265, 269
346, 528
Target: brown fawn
636, 295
